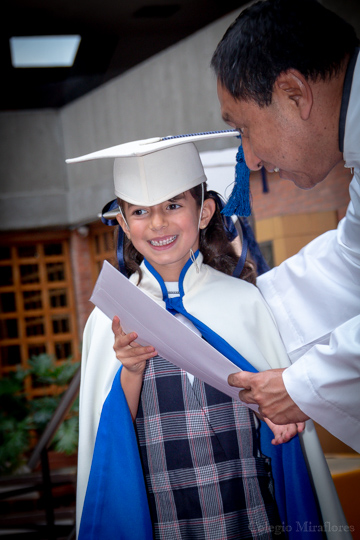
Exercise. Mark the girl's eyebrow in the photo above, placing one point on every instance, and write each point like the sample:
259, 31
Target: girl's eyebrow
129, 205
173, 199
177, 197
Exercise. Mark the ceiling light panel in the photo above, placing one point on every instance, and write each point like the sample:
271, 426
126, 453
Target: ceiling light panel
44, 51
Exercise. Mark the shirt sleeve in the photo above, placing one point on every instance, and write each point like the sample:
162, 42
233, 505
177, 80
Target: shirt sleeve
325, 383
315, 299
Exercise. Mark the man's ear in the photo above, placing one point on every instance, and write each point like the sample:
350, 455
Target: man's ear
292, 85
208, 211
121, 221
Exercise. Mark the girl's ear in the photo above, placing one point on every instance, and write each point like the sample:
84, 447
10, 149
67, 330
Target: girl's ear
121, 221
208, 211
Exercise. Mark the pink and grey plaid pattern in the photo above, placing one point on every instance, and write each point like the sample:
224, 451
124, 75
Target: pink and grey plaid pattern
204, 474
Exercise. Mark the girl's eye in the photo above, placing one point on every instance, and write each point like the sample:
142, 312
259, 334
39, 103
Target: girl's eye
173, 206
139, 212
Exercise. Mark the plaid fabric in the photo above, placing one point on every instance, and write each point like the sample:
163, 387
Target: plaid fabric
204, 474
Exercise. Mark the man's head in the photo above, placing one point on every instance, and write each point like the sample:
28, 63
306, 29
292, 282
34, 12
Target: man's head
273, 36
280, 73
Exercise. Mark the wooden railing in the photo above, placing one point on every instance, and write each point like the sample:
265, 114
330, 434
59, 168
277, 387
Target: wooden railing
33, 482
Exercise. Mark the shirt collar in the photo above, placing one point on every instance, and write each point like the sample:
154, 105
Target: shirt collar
346, 97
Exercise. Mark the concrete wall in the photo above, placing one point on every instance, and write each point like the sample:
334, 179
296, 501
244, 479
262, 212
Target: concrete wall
34, 182
173, 92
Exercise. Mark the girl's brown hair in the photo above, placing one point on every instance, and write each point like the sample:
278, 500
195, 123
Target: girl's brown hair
216, 248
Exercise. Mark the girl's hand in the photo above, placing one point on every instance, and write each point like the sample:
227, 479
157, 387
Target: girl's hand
283, 433
132, 355
133, 358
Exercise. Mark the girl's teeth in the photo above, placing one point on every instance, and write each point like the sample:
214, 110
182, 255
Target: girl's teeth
158, 243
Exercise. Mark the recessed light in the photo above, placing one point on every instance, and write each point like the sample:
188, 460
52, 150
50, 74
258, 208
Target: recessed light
44, 51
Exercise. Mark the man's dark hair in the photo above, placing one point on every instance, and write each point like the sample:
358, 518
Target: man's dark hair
272, 36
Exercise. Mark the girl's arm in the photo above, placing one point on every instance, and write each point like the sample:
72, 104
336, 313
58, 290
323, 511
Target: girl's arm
133, 358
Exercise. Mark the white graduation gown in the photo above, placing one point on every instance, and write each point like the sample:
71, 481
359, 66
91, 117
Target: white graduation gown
233, 309
315, 299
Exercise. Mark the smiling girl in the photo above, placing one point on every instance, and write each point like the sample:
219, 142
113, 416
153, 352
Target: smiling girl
205, 476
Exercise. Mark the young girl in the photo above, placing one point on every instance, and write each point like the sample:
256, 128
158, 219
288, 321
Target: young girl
205, 475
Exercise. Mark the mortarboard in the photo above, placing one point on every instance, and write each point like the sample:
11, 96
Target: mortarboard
150, 171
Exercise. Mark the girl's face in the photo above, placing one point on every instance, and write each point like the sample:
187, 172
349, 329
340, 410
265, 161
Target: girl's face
165, 233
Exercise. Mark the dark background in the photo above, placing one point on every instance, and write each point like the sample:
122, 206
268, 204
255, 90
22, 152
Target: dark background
116, 35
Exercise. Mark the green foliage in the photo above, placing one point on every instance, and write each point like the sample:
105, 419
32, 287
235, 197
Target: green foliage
21, 418
67, 436
45, 371
14, 440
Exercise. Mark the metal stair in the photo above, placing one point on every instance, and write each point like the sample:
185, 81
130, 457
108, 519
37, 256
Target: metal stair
40, 503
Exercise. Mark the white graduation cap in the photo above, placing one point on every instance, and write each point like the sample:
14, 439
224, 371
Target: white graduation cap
151, 171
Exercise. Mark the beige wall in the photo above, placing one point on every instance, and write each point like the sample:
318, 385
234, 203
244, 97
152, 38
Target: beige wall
290, 233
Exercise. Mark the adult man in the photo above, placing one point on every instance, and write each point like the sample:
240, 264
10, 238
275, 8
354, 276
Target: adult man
289, 80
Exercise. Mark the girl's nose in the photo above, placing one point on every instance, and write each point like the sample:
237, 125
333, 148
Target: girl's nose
252, 161
158, 221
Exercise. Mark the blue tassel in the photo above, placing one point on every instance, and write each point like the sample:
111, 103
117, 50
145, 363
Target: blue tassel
239, 201
264, 180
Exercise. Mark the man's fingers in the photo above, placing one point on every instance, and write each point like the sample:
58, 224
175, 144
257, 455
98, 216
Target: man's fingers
240, 379
246, 397
260, 411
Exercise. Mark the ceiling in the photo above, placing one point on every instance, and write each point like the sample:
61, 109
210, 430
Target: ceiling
116, 35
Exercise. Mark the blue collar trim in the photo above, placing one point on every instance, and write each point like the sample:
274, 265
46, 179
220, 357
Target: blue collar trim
181, 278
183, 273
158, 278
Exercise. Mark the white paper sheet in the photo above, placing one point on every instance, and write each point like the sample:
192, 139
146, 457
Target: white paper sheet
114, 294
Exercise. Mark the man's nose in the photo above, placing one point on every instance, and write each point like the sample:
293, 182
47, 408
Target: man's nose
252, 161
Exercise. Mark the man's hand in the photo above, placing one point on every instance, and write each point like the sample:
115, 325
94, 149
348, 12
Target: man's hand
267, 389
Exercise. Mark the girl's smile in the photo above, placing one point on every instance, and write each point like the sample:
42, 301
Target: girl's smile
163, 242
